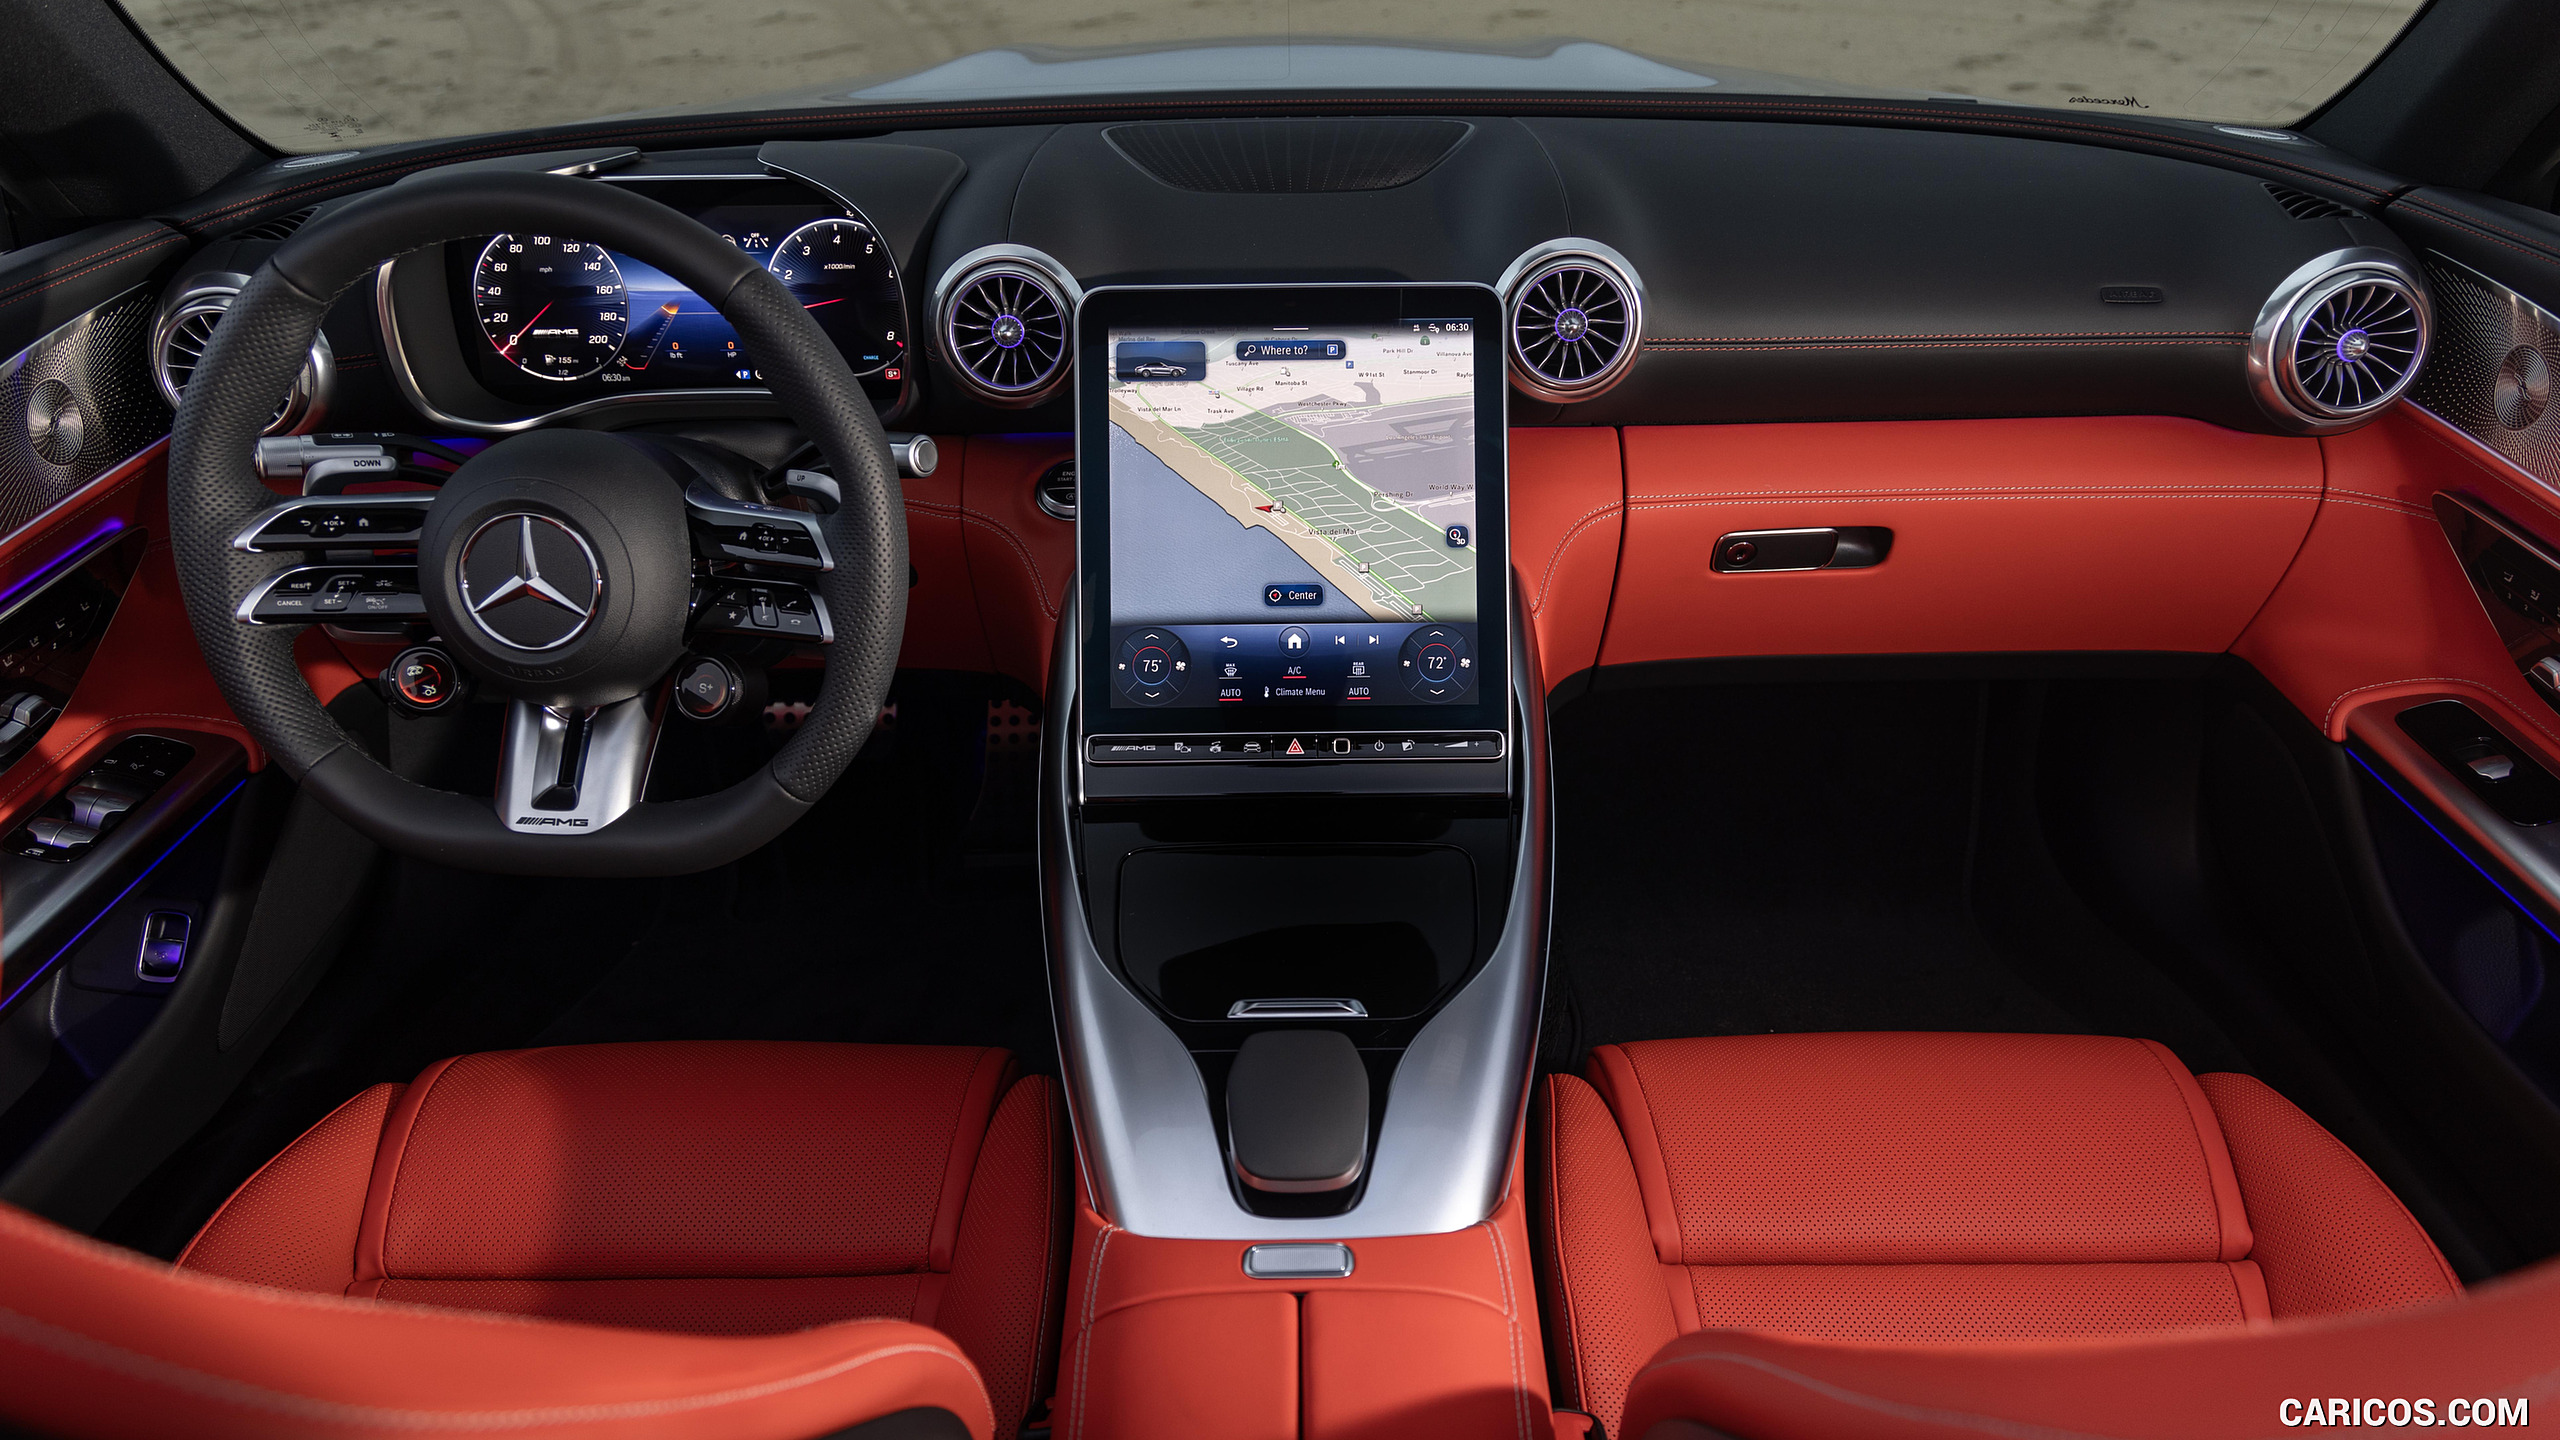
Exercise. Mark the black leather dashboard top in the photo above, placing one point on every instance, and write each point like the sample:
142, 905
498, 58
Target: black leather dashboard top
1793, 271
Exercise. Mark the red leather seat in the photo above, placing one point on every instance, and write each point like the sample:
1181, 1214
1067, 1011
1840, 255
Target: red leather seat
1941, 1189
710, 1188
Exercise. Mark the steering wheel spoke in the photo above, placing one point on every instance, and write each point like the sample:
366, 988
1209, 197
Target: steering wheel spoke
566, 770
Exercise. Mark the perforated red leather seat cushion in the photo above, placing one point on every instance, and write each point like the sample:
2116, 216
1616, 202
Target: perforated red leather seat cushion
1936, 1188
728, 1188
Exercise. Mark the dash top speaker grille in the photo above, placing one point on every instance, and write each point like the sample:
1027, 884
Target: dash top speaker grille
1287, 157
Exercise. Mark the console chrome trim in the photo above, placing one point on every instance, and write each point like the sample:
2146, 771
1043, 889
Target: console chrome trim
1140, 1112
1297, 1262
620, 740
1298, 1009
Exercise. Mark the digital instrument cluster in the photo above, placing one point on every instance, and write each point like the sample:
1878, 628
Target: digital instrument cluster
552, 318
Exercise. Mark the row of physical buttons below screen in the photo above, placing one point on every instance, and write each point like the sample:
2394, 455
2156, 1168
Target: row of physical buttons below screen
1367, 745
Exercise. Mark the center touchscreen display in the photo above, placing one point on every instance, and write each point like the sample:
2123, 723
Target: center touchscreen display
1300, 508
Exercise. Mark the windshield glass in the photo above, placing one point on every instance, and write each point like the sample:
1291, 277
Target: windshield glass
327, 74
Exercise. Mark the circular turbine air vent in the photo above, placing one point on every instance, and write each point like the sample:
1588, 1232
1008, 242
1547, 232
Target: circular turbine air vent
186, 327
1574, 311
2340, 340
1003, 316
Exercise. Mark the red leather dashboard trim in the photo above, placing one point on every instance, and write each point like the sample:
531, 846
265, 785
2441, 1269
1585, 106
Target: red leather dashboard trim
1568, 505
2135, 533
944, 631
1021, 558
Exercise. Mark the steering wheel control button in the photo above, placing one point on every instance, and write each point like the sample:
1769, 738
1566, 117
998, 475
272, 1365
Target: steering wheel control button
770, 610
746, 530
530, 581
70, 825
336, 593
330, 522
707, 687
1302, 748
1436, 666
1152, 667
424, 679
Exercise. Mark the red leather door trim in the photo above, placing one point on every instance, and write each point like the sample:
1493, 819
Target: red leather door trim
147, 670
2377, 607
2137, 533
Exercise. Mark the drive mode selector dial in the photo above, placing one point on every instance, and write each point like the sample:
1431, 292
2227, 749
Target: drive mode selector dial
1152, 666
1435, 664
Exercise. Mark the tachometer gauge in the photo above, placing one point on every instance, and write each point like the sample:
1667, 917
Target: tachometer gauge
553, 308
841, 271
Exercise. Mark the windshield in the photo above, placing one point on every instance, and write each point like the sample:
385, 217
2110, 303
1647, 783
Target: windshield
327, 74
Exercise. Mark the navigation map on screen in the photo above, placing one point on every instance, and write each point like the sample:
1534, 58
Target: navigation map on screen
1311, 474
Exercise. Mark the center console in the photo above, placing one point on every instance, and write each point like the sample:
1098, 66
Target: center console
1294, 842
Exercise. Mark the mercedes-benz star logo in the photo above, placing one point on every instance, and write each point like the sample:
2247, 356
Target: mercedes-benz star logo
529, 581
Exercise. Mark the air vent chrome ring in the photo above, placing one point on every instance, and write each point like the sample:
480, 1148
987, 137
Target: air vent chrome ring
1003, 320
1573, 319
2340, 340
186, 324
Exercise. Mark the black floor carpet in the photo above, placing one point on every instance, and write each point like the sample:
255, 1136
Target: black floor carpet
1809, 857
877, 918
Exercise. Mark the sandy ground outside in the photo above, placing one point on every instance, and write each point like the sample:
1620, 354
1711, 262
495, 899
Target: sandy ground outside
326, 74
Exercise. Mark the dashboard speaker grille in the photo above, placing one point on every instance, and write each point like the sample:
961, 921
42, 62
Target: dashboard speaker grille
2490, 370
1287, 157
1005, 327
1575, 316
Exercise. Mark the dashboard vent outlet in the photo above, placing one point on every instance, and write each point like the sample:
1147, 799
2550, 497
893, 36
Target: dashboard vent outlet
1287, 157
1573, 311
186, 327
279, 228
2339, 340
2304, 206
1002, 316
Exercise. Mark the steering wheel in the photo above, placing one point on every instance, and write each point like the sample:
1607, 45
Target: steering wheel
560, 568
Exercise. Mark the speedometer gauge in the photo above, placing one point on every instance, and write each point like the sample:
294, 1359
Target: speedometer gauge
838, 268
553, 308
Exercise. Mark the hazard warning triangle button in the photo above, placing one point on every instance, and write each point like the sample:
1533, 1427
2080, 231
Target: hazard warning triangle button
1297, 749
